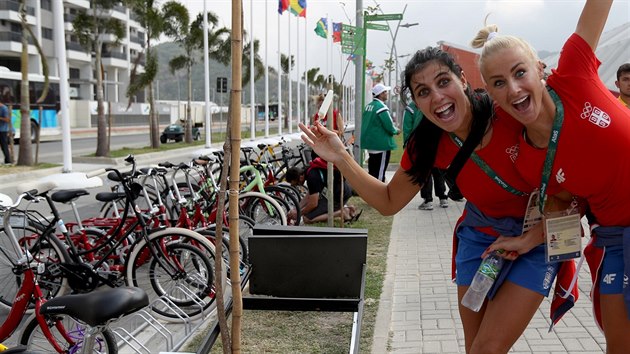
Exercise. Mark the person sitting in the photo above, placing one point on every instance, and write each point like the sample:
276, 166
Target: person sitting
314, 205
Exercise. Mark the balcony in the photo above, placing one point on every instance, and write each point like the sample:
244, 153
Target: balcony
117, 55
120, 8
75, 46
137, 39
13, 5
13, 37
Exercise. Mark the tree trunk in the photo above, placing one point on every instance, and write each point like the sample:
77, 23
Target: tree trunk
26, 150
102, 148
154, 126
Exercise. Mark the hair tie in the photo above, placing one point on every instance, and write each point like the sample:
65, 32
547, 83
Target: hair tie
492, 35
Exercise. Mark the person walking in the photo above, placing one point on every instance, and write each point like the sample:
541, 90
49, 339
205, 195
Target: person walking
5, 127
411, 119
377, 132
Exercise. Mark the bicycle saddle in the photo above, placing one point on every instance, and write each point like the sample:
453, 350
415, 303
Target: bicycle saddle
66, 195
98, 307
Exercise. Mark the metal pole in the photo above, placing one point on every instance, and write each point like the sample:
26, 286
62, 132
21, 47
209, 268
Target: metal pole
252, 107
206, 78
266, 74
290, 113
297, 59
359, 84
64, 94
279, 118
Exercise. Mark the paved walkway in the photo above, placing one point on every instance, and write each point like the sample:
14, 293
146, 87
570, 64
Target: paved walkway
418, 311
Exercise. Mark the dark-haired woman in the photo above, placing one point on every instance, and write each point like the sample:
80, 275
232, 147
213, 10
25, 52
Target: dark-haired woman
496, 201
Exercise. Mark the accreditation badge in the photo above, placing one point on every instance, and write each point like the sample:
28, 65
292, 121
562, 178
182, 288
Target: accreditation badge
563, 234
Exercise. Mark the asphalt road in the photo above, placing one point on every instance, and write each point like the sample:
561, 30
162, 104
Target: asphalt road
51, 151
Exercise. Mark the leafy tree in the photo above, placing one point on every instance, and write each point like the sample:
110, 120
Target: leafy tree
152, 19
190, 38
89, 27
259, 67
26, 149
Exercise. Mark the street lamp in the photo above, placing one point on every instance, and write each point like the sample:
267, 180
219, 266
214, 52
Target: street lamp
393, 53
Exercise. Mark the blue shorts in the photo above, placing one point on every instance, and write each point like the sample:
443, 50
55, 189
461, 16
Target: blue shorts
611, 272
529, 270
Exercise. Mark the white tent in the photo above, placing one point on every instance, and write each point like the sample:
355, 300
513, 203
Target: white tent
613, 50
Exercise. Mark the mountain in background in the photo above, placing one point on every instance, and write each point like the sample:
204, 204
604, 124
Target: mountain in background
175, 86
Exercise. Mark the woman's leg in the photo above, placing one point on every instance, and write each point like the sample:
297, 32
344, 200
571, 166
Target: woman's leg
471, 320
616, 323
505, 319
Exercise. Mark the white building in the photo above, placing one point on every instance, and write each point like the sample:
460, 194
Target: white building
117, 60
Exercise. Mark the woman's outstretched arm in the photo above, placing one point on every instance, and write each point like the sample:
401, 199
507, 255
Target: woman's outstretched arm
387, 198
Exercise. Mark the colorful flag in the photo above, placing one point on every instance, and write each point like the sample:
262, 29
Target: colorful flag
322, 27
283, 5
298, 7
336, 32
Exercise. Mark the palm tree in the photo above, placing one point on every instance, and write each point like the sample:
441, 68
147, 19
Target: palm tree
26, 150
151, 18
89, 27
190, 38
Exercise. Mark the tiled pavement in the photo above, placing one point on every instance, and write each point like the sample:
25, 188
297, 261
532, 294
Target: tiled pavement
418, 310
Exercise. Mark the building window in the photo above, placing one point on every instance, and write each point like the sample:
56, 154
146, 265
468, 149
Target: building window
16, 27
47, 5
75, 73
47, 33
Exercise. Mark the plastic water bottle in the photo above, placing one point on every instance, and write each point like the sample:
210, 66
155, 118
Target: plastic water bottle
483, 280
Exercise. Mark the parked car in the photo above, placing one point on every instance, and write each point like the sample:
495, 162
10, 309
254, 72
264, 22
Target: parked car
176, 132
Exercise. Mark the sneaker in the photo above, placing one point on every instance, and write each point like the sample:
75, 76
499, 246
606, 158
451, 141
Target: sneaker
444, 203
426, 206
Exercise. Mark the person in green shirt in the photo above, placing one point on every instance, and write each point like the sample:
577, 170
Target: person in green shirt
411, 119
377, 132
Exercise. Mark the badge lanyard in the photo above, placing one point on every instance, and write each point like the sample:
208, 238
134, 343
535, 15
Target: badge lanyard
488, 170
551, 149
562, 229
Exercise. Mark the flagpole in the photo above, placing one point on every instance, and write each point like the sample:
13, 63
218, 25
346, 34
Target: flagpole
206, 78
297, 59
266, 72
305, 73
290, 113
252, 108
279, 117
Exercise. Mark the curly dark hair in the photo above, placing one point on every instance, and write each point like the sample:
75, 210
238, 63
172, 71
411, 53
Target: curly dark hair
423, 142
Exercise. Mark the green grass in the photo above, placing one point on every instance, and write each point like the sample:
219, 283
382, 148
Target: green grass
397, 154
320, 332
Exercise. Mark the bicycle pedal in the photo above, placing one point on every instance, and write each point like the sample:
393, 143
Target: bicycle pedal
54, 269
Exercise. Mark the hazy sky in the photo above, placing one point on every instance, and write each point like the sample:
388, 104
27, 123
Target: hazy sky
545, 23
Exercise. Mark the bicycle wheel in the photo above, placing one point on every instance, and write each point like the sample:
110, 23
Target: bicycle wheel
33, 336
262, 208
179, 280
289, 197
48, 252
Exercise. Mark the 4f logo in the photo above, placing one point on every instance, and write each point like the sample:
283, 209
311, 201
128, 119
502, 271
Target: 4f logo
595, 115
609, 278
512, 152
560, 176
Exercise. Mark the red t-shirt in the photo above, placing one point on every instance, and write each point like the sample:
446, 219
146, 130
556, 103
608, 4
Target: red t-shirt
592, 155
475, 184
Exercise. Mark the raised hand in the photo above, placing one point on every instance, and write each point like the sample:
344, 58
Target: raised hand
323, 141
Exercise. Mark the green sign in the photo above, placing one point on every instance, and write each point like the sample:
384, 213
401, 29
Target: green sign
376, 26
352, 39
384, 17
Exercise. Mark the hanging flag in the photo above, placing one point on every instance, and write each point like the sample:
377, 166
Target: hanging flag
283, 5
298, 7
336, 32
322, 27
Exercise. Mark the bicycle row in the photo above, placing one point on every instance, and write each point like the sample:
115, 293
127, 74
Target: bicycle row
164, 247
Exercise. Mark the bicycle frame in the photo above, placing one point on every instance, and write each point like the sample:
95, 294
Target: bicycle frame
29, 289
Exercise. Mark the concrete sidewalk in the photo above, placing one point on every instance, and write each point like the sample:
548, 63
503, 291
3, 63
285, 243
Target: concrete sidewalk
418, 309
